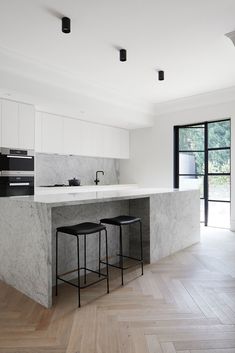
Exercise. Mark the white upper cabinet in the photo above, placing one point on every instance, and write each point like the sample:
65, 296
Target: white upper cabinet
10, 127
38, 131
49, 133
62, 135
52, 134
26, 126
0, 123
124, 144
72, 136
17, 125
88, 139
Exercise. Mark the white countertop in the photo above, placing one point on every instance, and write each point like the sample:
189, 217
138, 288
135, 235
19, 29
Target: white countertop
44, 190
96, 195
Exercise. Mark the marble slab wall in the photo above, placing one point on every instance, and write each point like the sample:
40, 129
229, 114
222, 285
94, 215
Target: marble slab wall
58, 169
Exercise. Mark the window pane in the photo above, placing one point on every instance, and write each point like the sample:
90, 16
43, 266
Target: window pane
219, 214
191, 162
191, 138
192, 182
219, 134
219, 161
219, 187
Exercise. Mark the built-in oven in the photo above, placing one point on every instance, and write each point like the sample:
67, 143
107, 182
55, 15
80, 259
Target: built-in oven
16, 172
16, 162
16, 185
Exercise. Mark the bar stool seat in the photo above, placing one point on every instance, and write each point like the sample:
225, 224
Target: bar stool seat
82, 228
120, 220
78, 230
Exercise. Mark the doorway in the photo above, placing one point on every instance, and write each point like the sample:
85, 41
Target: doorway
202, 158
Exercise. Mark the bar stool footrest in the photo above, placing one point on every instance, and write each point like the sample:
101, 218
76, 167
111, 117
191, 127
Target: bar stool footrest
120, 267
104, 276
132, 258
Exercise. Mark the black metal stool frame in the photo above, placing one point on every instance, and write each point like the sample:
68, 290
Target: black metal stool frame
78, 269
141, 260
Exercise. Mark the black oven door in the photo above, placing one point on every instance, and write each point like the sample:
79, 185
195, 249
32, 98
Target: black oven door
12, 163
16, 186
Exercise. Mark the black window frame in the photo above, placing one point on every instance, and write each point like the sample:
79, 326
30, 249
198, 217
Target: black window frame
206, 175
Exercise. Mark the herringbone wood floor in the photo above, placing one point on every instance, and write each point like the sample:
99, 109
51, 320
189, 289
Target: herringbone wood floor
184, 303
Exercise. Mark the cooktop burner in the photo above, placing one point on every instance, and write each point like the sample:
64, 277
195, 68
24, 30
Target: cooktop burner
56, 185
53, 186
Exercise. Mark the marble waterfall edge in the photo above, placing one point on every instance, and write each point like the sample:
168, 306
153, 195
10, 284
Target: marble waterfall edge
25, 248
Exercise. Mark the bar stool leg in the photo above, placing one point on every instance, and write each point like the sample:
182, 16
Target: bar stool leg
141, 249
99, 251
107, 259
84, 259
56, 265
79, 301
121, 257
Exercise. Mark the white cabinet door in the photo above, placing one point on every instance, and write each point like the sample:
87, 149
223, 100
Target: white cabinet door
72, 136
52, 134
26, 126
88, 139
10, 132
38, 131
80, 138
124, 143
0, 123
62, 135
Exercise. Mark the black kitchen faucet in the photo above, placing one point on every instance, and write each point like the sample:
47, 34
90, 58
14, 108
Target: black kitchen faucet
96, 175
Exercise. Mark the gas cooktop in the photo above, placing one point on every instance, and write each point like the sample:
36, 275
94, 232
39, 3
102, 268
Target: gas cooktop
55, 185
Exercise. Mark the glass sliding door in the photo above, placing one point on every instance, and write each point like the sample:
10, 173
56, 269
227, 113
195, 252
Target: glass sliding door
202, 160
218, 152
190, 155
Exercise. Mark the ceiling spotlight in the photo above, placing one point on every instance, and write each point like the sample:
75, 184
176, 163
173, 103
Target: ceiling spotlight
122, 54
231, 35
66, 25
161, 75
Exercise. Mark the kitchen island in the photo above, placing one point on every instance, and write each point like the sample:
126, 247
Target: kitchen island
171, 222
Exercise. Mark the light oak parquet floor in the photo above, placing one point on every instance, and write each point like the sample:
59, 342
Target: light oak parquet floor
185, 303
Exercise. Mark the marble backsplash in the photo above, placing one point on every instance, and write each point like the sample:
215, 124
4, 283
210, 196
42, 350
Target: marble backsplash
58, 169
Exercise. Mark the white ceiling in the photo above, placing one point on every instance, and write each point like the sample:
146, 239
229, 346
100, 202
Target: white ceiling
185, 38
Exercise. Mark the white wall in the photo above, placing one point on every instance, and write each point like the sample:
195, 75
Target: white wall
151, 149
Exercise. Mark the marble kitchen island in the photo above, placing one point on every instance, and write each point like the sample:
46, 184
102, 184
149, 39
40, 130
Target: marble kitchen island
171, 222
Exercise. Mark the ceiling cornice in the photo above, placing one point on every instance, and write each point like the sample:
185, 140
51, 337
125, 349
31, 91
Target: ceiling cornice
196, 101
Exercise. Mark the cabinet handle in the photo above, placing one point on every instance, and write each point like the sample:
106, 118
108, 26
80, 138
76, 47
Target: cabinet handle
20, 157
19, 184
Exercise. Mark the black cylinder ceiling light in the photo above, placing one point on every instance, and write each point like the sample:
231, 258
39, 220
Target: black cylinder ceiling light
123, 55
66, 25
161, 75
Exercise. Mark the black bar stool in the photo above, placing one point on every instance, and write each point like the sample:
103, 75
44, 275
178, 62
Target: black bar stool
122, 221
78, 230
